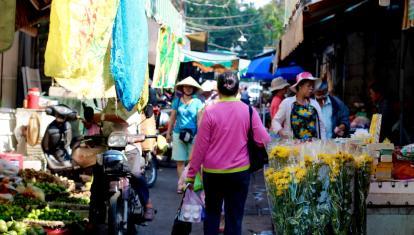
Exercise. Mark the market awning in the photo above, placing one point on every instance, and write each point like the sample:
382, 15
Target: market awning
289, 72
208, 59
260, 69
309, 14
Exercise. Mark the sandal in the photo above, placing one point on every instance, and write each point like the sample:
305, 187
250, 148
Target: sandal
149, 214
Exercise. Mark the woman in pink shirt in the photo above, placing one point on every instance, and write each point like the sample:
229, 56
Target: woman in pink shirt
221, 148
278, 87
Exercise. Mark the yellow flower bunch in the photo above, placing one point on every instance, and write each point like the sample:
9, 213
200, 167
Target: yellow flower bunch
281, 179
280, 152
363, 160
333, 161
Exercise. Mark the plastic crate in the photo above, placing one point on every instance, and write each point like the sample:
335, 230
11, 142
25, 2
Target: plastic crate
14, 158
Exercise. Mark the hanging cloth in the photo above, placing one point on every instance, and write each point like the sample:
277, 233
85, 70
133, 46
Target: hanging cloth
103, 83
129, 55
78, 38
168, 58
7, 18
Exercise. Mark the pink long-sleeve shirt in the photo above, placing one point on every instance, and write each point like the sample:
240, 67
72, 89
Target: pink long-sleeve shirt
221, 142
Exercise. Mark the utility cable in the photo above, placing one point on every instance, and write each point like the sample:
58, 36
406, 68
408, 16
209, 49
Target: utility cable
208, 4
218, 17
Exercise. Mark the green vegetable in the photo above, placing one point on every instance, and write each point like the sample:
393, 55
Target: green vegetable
50, 188
3, 226
52, 214
9, 212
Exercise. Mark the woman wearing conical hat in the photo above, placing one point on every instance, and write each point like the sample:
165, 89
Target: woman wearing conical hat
183, 122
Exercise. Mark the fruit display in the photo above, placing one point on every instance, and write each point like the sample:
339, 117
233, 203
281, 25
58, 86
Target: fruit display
30, 175
53, 214
19, 228
9, 212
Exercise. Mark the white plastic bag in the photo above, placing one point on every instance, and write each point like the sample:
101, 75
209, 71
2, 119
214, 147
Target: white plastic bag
192, 209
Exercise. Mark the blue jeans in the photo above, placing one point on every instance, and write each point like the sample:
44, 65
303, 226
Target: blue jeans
231, 188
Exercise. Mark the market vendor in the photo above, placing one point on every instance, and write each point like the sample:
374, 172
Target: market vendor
299, 117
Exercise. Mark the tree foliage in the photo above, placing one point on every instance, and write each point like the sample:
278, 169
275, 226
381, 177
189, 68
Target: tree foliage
227, 20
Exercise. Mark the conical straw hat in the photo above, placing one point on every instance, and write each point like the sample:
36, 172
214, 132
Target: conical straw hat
189, 81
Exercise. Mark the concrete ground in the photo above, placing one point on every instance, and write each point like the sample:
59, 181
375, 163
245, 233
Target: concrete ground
166, 201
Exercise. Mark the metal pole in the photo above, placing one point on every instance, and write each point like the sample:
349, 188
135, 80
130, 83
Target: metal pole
403, 54
1, 79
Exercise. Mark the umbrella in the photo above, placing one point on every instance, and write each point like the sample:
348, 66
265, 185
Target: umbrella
289, 73
260, 69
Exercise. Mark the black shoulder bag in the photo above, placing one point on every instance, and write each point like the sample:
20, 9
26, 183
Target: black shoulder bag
257, 154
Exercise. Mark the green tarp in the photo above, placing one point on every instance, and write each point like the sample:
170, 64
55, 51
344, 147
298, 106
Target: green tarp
7, 17
208, 59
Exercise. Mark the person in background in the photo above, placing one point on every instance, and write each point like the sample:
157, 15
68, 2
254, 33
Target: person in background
279, 88
245, 98
91, 126
382, 106
183, 119
209, 91
225, 161
335, 114
299, 116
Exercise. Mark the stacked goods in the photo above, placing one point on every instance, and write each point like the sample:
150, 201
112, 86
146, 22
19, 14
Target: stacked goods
30, 175
12, 212
317, 187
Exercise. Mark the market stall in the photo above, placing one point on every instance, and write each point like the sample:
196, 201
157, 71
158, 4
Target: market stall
341, 186
36, 202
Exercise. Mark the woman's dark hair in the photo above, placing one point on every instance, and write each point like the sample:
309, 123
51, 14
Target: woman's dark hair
228, 84
88, 113
301, 83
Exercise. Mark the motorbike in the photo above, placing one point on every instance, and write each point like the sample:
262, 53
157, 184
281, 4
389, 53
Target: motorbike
62, 152
113, 200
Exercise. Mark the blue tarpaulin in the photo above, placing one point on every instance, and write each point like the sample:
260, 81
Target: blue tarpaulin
289, 73
261, 69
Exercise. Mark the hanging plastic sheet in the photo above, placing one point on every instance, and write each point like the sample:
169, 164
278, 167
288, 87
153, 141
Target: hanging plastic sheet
7, 18
102, 84
78, 38
168, 59
129, 55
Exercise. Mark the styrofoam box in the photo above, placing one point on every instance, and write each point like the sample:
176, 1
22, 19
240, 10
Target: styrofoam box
32, 164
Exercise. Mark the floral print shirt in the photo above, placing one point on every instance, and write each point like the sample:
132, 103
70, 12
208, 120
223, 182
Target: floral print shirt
304, 121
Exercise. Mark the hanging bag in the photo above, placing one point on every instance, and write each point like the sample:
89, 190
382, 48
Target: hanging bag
181, 227
257, 154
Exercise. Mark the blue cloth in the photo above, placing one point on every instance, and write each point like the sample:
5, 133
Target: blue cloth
340, 115
129, 52
186, 114
327, 117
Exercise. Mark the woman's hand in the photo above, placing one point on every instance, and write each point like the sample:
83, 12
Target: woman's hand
168, 137
283, 134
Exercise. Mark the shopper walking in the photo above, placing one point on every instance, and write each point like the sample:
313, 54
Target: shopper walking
278, 88
221, 148
299, 116
183, 123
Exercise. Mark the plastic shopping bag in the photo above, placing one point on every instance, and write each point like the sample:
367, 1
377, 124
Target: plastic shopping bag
181, 227
192, 208
198, 183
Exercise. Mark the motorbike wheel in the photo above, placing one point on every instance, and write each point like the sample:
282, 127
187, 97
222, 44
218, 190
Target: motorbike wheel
117, 215
151, 172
